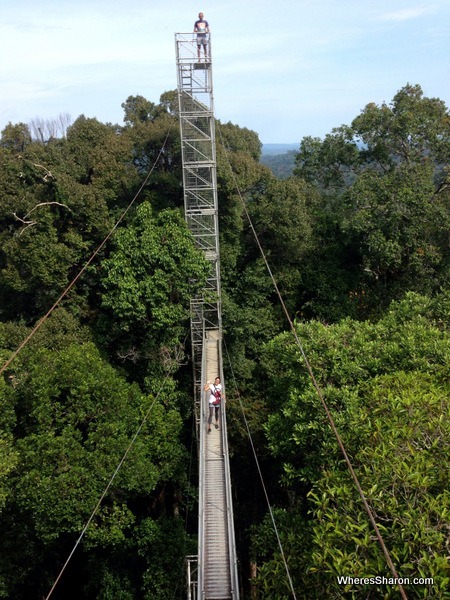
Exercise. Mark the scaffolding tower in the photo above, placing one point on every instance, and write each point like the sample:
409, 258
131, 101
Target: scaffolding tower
216, 566
198, 147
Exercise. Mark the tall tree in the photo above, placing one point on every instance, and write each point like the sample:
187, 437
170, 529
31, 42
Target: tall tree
15, 137
384, 214
138, 109
75, 419
151, 274
386, 385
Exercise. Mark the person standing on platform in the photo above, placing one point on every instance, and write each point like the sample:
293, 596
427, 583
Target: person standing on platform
214, 401
201, 28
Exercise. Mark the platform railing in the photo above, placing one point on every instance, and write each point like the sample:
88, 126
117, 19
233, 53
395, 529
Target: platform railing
187, 51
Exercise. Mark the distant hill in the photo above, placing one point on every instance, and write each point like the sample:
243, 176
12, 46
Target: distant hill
271, 149
280, 158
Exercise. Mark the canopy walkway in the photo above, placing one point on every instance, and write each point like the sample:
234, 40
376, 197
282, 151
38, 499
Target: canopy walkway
216, 562
217, 555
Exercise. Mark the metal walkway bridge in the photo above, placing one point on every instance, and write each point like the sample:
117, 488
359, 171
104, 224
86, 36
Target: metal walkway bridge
216, 561
217, 555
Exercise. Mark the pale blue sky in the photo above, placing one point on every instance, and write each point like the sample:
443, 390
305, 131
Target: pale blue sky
285, 69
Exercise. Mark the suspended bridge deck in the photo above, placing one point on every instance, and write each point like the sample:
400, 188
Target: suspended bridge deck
217, 557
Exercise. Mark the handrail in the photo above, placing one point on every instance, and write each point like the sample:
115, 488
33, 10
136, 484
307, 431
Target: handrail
201, 474
187, 46
229, 500
204, 579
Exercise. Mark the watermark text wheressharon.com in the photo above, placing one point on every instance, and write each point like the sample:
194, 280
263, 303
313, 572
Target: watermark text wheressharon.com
382, 580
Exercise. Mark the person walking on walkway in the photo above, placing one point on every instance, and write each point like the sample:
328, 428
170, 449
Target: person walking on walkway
214, 401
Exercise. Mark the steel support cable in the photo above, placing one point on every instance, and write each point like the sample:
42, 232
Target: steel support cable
319, 392
86, 265
106, 490
280, 545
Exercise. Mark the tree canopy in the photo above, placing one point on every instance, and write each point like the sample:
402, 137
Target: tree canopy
357, 241
386, 384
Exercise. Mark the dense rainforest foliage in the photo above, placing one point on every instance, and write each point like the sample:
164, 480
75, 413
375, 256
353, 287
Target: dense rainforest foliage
358, 241
282, 165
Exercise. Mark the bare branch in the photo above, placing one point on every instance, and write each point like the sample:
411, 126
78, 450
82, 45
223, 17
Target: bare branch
131, 354
45, 204
26, 223
31, 223
48, 174
45, 130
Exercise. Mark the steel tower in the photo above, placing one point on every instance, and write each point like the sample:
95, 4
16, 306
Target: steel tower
198, 146
216, 570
